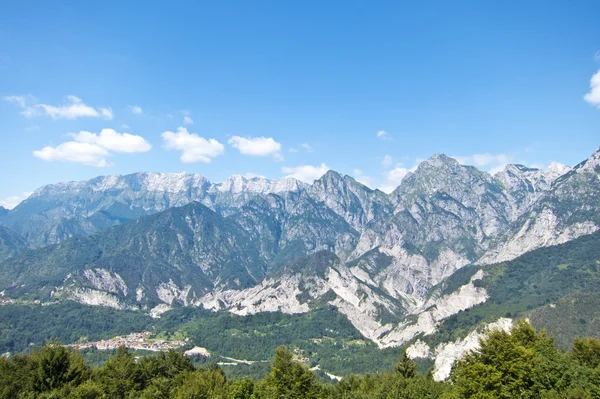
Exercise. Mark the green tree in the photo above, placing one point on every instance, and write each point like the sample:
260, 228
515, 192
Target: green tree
240, 389
55, 366
288, 379
203, 384
586, 352
503, 367
406, 367
88, 390
15, 376
120, 375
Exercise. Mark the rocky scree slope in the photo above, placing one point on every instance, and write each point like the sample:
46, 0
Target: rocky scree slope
390, 250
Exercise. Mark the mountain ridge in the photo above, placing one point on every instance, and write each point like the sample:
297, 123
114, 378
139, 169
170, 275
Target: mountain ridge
241, 245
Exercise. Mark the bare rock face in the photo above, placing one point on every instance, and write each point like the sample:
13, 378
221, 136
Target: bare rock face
525, 186
569, 209
257, 245
445, 354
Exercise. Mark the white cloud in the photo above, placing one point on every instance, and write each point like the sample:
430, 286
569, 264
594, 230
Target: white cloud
32, 128
21, 101
257, 146
383, 135
14, 200
72, 109
124, 126
387, 161
393, 178
193, 147
92, 149
493, 163
73, 151
593, 97
67, 111
136, 109
496, 169
362, 178
307, 147
111, 140
293, 150
490, 159
187, 120
306, 173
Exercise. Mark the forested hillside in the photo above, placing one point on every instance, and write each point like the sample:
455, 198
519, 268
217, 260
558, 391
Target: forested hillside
451, 245
553, 286
516, 364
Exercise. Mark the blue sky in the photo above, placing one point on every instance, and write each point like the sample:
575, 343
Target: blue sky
279, 88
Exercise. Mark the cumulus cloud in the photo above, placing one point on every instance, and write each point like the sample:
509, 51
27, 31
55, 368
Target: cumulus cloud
383, 135
393, 178
593, 97
14, 200
493, 163
187, 120
257, 146
73, 151
136, 109
305, 173
193, 147
111, 140
73, 108
362, 178
93, 149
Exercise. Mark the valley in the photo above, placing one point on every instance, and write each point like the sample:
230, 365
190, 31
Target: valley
451, 250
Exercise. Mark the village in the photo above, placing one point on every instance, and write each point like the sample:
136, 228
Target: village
136, 341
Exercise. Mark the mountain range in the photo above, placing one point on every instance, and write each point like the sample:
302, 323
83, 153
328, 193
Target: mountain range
153, 241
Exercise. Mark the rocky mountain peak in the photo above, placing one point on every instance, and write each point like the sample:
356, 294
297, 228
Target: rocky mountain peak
592, 164
514, 176
442, 174
141, 181
331, 177
333, 180
237, 184
438, 160
353, 201
556, 169
168, 182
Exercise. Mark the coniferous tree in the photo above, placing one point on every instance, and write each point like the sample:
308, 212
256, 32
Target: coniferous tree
120, 375
586, 352
406, 367
55, 366
288, 379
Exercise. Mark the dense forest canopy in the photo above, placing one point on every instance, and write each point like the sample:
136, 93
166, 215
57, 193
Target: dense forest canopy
521, 363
